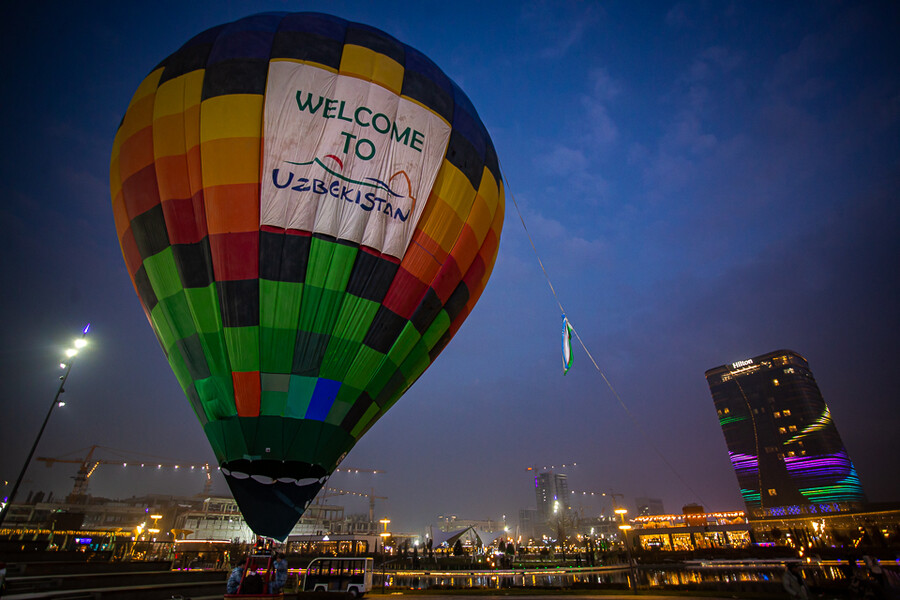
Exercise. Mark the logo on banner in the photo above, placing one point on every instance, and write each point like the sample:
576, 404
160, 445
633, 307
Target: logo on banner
345, 157
392, 197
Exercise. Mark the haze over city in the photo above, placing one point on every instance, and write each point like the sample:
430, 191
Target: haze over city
702, 183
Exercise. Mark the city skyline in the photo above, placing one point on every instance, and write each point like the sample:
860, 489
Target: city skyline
585, 505
701, 184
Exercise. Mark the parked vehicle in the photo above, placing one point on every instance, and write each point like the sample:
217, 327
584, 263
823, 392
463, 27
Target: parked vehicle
332, 574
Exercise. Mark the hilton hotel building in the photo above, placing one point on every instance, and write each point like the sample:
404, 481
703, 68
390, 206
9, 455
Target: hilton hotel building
784, 446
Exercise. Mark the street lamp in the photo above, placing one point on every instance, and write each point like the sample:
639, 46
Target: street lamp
138, 530
384, 535
155, 528
625, 528
71, 353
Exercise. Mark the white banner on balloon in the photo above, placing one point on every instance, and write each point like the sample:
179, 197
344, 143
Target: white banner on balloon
346, 157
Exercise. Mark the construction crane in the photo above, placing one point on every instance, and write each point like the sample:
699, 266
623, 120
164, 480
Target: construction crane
372, 497
89, 464
551, 467
356, 471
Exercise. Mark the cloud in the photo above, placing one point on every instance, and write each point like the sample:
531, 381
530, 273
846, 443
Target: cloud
694, 15
565, 159
603, 87
602, 130
572, 174
698, 97
560, 26
677, 17
593, 135
564, 239
563, 44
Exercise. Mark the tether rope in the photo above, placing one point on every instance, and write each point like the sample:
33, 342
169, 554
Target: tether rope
609, 385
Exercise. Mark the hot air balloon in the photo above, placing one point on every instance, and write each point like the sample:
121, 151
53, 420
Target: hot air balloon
308, 209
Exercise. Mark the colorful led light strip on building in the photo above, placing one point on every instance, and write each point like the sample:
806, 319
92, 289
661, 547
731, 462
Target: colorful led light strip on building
823, 421
744, 464
746, 467
846, 490
826, 478
823, 465
751, 496
731, 419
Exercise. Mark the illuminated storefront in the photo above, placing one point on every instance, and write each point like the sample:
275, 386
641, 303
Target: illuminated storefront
692, 531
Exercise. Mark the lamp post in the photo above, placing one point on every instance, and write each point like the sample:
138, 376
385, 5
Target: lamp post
138, 530
384, 535
625, 528
71, 353
384, 538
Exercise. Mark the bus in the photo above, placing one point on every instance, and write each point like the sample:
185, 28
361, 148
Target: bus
332, 574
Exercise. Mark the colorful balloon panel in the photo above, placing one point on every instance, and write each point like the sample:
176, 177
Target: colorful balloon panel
308, 210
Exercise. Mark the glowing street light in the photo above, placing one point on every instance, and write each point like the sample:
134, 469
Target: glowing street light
384, 534
625, 527
155, 528
70, 353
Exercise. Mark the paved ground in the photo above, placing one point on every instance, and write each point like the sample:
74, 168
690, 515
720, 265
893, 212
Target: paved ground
567, 595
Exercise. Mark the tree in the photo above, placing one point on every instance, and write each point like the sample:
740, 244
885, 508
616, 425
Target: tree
458, 549
776, 534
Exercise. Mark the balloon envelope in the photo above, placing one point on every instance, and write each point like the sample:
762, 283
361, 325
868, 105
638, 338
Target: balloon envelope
308, 210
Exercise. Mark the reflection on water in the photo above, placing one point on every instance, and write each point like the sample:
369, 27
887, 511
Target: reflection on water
694, 574
549, 578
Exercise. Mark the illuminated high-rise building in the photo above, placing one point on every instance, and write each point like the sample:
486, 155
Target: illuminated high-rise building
649, 506
785, 449
551, 492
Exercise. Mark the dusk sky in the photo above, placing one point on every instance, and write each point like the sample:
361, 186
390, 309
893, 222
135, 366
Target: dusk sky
703, 182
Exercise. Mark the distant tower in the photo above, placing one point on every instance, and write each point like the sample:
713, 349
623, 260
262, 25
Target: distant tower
528, 522
649, 506
784, 447
551, 491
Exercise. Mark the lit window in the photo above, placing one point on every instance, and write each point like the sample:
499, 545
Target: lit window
777, 415
786, 413
782, 430
772, 492
791, 453
775, 382
792, 428
789, 370
727, 411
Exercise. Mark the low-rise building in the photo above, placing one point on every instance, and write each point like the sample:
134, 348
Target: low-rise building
692, 530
